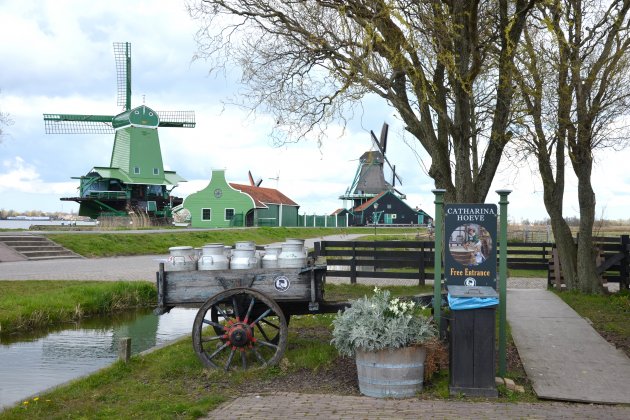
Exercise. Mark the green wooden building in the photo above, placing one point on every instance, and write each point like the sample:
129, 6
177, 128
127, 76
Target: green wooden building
224, 204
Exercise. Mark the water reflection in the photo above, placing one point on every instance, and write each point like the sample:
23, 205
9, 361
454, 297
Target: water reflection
35, 364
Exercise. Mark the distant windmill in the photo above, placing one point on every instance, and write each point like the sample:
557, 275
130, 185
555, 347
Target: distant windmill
252, 182
382, 147
135, 180
369, 180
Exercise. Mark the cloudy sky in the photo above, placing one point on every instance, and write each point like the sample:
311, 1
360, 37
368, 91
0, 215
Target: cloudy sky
57, 57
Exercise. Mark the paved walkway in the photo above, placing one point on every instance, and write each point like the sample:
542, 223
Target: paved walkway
564, 357
293, 406
133, 268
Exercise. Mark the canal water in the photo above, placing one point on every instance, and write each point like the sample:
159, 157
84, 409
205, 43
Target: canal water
34, 364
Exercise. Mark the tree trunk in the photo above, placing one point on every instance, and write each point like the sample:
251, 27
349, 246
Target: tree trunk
588, 280
553, 194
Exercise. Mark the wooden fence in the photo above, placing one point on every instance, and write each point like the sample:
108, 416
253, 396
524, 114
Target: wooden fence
613, 261
377, 259
415, 259
410, 259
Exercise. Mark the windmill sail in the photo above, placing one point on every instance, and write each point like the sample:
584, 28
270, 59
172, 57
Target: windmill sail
78, 124
382, 146
122, 55
181, 119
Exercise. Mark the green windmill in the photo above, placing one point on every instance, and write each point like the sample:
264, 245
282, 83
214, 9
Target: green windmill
135, 181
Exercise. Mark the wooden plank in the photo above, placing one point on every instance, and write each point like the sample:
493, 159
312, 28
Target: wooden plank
528, 244
606, 264
528, 266
379, 274
327, 245
528, 252
462, 349
194, 287
483, 350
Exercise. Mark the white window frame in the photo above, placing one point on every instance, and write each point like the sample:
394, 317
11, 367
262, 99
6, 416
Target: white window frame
202, 211
225, 214
136, 170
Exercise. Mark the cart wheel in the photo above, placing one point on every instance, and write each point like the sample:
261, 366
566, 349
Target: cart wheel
244, 323
214, 317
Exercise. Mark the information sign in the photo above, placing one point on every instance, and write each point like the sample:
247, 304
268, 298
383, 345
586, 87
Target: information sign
470, 245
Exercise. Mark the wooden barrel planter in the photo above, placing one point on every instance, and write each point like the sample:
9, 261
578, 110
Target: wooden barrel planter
391, 373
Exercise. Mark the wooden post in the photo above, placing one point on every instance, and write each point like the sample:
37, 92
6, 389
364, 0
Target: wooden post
437, 264
124, 349
318, 249
503, 206
353, 264
421, 275
624, 270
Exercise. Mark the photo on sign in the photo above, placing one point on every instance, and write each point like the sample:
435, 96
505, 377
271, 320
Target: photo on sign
470, 244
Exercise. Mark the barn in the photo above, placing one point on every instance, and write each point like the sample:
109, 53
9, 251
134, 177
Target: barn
389, 209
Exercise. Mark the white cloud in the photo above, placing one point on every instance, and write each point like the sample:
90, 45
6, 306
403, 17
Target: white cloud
19, 176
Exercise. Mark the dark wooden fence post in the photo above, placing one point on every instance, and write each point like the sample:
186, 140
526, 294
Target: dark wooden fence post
624, 271
318, 249
421, 275
353, 266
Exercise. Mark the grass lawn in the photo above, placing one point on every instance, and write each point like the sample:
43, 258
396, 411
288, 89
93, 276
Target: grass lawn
32, 304
118, 243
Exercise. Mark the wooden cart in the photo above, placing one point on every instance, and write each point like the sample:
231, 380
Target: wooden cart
243, 314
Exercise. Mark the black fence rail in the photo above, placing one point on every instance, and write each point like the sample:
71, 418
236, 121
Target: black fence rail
377, 259
415, 259
612, 255
410, 259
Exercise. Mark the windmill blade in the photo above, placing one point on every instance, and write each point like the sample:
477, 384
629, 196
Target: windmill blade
78, 124
182, 119
383, 139
382, 142
251, 179
122, 55
376, 142
395, 176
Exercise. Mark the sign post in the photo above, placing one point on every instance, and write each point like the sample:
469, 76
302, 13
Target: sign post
503, 203
437, 262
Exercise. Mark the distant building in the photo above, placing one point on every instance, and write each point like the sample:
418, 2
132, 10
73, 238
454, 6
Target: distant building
223, 204
389, 209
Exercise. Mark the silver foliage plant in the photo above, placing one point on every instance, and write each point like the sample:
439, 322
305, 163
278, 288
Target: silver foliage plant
378, 323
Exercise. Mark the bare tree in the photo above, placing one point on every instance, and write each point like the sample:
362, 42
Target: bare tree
446, 67
575, 85
5, 120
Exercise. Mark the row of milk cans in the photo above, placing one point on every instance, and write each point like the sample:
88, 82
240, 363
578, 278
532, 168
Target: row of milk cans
244, 255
